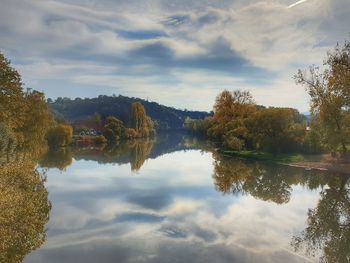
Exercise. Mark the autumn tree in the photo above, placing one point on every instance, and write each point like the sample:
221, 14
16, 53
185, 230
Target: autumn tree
8, 139
114, 130
142, 123
329, 89
231, 109
38, 121
60, 135
11, 95
277, 129
22, 113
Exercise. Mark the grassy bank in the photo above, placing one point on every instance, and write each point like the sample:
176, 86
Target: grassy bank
262, 156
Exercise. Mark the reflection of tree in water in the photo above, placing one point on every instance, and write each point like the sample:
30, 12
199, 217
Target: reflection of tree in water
24, 210
139, 152
59, 158
328, 225
261, 181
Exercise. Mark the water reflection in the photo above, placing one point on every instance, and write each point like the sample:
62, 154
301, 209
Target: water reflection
58, 158
188, 206
328, 224
24, 210
134, 152
261, 180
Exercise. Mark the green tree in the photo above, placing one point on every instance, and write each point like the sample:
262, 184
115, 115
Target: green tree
59, 136
277, 129
329, 90
198, 126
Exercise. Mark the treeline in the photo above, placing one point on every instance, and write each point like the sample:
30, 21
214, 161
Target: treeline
142, 126
24, 115
26, 121
165, 118
238, 123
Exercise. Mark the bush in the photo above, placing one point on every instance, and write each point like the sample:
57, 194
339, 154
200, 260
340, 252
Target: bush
59, 136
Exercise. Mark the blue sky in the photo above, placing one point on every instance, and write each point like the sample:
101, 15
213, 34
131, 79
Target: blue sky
179, 53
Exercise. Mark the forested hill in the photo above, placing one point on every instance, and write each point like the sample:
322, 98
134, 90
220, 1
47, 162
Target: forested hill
167, 118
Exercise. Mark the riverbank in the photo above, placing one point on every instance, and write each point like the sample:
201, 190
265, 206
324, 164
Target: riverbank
263, 156
309, 162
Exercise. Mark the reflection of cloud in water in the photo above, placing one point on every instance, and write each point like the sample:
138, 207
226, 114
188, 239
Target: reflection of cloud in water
162, 215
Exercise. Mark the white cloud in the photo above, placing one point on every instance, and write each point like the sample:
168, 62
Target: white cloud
56, 39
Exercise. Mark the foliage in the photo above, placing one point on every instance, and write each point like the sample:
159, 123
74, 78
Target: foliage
60, 135
12, 99
24, 209
329, 90
277, 130
130, 133
140, 122
165, 118
8, 140
231, 109
114, 130
38, 121
313, 141
25, 114
198, 126
239, 124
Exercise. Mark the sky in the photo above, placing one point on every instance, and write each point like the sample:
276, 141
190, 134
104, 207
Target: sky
177, 52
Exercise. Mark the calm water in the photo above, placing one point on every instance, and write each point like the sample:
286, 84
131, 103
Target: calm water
176, 200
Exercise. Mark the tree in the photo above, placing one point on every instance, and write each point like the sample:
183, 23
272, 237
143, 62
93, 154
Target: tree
198, 126
114, 130
329, 90
8, 140
12, 99
38, 121
142, 123
59, 136
231, 109
25, 114
277, 129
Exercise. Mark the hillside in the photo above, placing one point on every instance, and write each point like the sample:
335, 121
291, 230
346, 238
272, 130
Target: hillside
167, 118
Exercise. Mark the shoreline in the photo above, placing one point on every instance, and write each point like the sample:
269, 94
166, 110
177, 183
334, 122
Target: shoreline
307, 162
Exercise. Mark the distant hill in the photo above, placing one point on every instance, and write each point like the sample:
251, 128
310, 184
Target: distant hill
167, 118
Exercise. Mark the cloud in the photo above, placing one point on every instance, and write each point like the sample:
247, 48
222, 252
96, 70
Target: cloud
93, 214
260, 42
